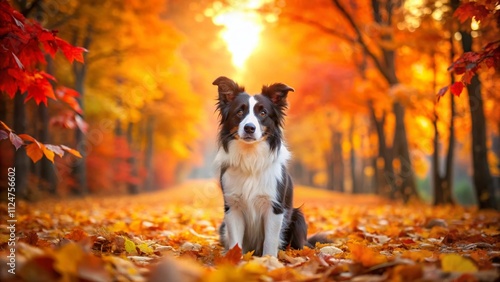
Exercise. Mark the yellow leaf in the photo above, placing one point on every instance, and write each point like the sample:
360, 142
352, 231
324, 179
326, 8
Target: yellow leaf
130, 247
119, 226
248, 256
457, 263
144, 247
254, 267
67, 259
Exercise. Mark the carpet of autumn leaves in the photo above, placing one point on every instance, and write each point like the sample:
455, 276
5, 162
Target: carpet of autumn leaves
172, 236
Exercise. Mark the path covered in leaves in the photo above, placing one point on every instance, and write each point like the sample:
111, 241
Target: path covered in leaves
172, 236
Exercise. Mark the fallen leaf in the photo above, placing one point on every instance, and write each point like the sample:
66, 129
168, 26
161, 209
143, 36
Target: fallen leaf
365, 255
457, 263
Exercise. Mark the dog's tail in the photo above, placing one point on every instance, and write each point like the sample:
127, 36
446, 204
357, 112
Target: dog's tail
321, 238
297, 235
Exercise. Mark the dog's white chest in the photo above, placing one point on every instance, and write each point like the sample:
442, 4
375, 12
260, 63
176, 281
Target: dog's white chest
252, 173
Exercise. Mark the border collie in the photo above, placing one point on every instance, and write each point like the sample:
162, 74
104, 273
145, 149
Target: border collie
251, 163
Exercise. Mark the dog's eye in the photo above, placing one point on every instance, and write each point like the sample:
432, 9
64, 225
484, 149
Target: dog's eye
239, 113
263, 113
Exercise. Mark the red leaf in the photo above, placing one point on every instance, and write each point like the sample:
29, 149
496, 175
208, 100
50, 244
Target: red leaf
15, 140
71, 52
470, 10
68, 96
48, 40
468, 75
489, 62
441, 92
40, 89
456, 88
62, 91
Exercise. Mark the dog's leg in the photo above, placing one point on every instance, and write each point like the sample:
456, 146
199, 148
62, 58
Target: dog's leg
272, 224
235, 225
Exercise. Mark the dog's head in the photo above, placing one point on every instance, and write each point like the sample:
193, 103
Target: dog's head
251, 119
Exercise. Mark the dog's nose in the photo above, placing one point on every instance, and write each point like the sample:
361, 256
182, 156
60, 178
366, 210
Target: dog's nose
249, 128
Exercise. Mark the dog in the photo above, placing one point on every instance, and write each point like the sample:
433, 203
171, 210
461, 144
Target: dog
251, 165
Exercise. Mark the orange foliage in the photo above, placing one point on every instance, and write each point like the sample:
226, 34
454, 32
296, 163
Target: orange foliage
137, 238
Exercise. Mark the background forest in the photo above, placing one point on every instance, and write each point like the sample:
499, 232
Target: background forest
370, 112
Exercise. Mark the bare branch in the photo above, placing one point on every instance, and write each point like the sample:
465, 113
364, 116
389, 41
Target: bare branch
364, 45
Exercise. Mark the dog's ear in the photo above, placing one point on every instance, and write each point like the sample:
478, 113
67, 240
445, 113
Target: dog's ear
277, 93
228, 89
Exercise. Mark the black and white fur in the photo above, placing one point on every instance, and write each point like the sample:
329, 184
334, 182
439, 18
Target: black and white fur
251, 161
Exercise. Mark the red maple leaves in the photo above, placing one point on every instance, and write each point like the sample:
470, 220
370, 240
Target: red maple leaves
469, 63
23, 44
471, 9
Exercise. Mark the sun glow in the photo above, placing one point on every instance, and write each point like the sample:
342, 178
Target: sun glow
242, 28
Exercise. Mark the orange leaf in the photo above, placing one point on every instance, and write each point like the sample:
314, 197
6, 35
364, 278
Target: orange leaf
77, 235
233, 256
71, 151
48, 153
27, 137
407, 272
365, 255
248, 256
34, 151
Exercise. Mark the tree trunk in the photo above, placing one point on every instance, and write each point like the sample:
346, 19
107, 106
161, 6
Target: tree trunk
330, 165
80, 165
384, 171
338, 162
447, 183
450, 154
3, 107
405, 181
80, 73
352, 160
483, 181
47, 172
148, 155
132, 161
21, 160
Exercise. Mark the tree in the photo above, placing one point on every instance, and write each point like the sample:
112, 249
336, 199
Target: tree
382, 56
24, 45
468, 65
